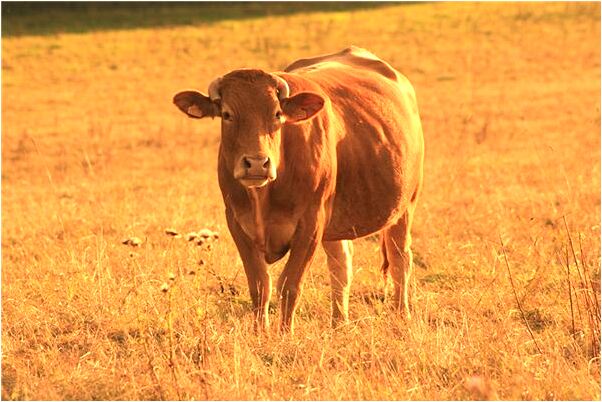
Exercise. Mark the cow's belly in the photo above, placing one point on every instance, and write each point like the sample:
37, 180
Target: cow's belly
370, 196
354, 218
344, 229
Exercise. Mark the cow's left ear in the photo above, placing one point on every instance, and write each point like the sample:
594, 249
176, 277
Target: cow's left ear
302, 106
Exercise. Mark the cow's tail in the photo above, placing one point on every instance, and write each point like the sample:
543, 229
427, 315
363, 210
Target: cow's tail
385, 266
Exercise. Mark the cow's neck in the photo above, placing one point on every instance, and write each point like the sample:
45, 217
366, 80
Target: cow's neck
258, 198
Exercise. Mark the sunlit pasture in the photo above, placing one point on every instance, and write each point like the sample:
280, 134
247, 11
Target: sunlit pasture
506, 291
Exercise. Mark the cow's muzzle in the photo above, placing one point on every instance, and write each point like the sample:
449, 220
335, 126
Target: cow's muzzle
255, 171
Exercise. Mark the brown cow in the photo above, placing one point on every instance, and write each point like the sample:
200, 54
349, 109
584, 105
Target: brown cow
325, 152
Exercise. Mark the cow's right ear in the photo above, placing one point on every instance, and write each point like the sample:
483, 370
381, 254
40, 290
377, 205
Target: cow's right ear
195, 104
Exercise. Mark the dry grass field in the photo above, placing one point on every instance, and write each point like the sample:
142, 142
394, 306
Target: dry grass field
94, 152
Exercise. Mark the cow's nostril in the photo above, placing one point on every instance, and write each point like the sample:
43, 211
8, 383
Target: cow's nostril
267, 163
247, 163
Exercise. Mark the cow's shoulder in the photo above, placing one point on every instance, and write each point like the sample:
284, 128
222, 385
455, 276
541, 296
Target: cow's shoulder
352, 56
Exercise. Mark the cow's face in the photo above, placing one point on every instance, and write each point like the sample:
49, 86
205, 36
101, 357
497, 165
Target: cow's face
254, 106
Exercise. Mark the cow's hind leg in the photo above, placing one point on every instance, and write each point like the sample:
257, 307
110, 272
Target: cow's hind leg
398, 259
339, 257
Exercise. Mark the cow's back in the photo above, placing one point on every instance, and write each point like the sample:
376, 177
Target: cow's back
375, 122
351, 56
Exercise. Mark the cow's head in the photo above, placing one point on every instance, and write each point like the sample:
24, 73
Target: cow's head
253, 105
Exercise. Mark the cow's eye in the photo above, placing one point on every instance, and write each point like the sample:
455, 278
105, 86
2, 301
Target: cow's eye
278, 115
226, 116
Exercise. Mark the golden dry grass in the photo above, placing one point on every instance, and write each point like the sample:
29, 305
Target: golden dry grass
94, 152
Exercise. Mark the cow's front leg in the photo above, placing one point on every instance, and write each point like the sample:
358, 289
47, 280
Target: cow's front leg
290, 283
256, 269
